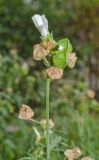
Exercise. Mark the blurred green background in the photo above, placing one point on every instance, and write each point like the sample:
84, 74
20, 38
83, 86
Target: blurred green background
73, 107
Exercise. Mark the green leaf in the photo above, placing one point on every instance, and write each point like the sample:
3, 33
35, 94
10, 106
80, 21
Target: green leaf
55, 141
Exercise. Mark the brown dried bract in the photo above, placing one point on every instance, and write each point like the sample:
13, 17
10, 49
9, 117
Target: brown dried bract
25, 112
39, 52
72, 154
54, 73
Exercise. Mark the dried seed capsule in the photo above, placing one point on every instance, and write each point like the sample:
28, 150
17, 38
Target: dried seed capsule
87, 158
72, 60
51, 123
25, 112
54, 72
43, 123
72, 154
90, 93
39, 52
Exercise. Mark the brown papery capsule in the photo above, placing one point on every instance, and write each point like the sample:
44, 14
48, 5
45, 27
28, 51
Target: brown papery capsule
72, 154
54, 73
39, 52
87, 158
72, 60
90, 93
25, 112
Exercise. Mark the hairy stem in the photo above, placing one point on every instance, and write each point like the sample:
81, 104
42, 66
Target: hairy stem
47, 118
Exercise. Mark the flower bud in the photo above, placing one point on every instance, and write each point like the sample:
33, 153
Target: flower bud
41, 24
43, 123
39, 52
72, 60
87, 158
25, 112
54, 72
72, 154
49, 44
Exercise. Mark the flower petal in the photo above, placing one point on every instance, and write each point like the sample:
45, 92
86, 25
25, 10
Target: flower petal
41, 24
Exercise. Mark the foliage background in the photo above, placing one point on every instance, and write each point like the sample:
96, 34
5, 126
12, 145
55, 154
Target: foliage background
21, 78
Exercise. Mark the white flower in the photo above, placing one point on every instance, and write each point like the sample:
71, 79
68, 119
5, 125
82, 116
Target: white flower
60, 48
41, 24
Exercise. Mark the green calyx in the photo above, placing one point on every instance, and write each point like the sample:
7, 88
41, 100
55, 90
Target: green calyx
60, 57
47, 38
58, 53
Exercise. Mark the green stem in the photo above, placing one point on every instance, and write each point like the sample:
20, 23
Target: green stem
34, 121
47, 118
46, 62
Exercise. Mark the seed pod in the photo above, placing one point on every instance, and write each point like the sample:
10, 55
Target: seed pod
39, 52
90, 93
43, 123
51, 123
87, 158
54, 73
49, 44
72, 60
72, 154
25, 112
